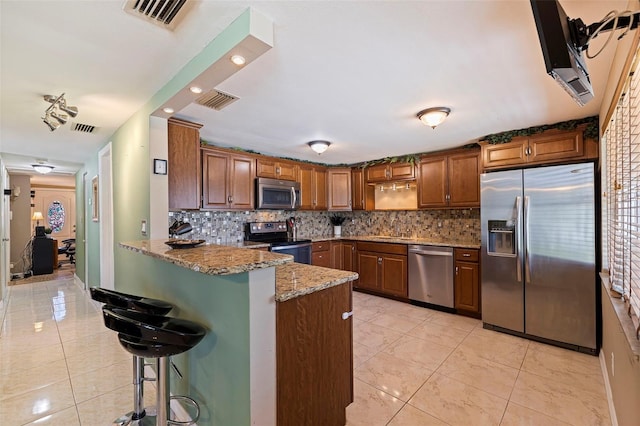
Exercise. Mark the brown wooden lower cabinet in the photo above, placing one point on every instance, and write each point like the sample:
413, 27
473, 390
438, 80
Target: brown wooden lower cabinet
467, 281
382, 268
314, 352
321, 254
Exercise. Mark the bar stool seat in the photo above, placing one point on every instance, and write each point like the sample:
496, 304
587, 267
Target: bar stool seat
130, 301
152, 336
159, 337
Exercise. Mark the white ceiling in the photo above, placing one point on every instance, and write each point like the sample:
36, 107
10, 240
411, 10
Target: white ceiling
351, 72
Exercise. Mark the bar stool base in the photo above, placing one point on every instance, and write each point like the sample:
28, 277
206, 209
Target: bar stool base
127, 420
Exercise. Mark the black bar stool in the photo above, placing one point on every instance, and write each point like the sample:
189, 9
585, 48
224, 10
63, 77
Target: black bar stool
147, 306
159, 337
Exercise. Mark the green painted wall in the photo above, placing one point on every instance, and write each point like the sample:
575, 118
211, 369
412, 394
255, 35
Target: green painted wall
221, 379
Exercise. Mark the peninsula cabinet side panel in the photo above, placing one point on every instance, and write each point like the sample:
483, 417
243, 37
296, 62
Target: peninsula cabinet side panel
314, 358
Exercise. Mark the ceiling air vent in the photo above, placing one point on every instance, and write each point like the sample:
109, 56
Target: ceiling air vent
165, 13
216, 100
84, 128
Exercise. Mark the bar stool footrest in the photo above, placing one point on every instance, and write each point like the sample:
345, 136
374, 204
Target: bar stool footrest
191, 402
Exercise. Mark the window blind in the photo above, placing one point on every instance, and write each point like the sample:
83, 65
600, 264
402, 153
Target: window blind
622, 185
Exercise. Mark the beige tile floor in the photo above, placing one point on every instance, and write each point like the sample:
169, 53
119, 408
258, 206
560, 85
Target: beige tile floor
412, 367
415, 366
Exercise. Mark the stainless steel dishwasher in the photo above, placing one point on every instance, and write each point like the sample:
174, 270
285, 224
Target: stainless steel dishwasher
431, 275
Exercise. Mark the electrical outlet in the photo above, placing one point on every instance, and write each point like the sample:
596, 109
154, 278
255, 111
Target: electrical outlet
613, 365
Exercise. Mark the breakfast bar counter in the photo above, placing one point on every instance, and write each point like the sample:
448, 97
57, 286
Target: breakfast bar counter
253, 303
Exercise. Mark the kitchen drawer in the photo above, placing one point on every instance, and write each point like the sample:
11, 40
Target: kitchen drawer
320, 246
467, 255
389, 248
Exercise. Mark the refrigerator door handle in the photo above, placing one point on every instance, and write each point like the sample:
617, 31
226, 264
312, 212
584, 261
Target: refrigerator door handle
518, 241
527, 267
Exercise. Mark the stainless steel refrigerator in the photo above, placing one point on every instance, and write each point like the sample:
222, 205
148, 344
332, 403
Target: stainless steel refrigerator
539, 253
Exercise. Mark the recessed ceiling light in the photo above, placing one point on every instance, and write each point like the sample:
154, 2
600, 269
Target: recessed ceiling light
238, 60
168, 110
195, 89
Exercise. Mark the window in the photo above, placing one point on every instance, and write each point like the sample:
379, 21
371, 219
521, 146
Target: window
621, 184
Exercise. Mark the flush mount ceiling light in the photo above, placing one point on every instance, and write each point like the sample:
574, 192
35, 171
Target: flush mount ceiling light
433, 116
195, 89
42, 168
319, 146
53, 116
239, 60
168, 110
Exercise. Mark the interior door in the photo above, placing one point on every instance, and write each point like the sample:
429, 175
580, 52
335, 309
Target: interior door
59, 210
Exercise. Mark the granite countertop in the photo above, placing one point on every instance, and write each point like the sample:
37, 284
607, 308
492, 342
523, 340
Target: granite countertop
297, 279
209, 259
401, 240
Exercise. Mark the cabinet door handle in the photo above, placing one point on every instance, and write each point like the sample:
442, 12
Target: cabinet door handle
229, 199
466, 255
346, 315
380, 260
456, 270
277, 170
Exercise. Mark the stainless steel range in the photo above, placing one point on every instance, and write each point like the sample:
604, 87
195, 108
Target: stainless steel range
280, 237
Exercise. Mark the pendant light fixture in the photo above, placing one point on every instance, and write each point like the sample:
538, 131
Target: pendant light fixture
433, 116
319, 146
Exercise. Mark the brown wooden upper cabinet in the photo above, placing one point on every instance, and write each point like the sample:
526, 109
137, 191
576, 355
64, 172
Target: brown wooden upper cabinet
546, 148
275, 169
451, 180
183, 164
390, 171
227, 180
313, 187
339, 180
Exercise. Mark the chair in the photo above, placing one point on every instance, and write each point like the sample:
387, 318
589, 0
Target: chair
144, 306
69, 249
159, 337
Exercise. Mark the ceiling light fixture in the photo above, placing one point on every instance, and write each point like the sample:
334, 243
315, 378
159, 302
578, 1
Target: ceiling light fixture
239, 60
42, 168
433, 116
53, 116
319, 146
168, 110
195, 89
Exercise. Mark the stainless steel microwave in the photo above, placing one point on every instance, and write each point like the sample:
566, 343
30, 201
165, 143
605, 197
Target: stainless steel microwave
276, 194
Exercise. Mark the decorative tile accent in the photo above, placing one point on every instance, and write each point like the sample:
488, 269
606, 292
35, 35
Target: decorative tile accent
224, 227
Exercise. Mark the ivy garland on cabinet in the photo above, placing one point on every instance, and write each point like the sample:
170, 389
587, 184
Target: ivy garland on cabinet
590, 132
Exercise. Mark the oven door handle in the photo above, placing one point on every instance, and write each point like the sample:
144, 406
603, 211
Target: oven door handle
289, 246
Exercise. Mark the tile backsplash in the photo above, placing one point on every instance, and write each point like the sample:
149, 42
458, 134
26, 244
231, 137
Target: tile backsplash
228, 226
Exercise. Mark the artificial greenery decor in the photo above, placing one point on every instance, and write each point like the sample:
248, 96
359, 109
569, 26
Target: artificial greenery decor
590, 132
337, 220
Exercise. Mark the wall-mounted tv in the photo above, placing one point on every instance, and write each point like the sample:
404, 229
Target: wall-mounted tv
562, 55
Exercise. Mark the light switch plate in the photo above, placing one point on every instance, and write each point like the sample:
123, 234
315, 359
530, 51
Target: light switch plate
143, 229
159, 166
